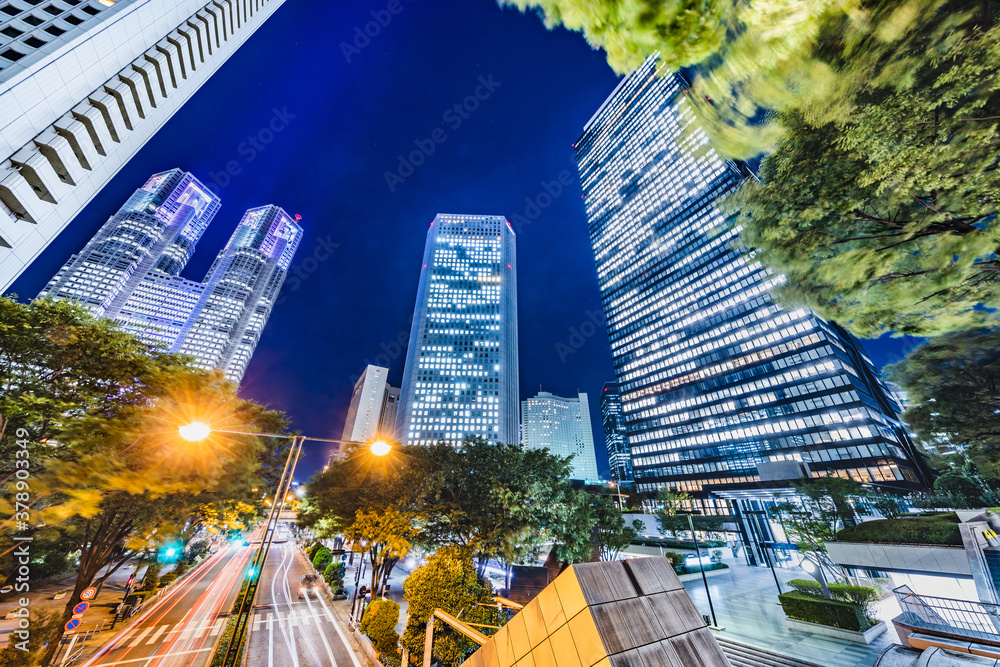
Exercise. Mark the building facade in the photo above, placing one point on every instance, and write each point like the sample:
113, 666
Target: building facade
723, 391
562, 426
373, 407
130, 270
615, 434
83, 85
461, 375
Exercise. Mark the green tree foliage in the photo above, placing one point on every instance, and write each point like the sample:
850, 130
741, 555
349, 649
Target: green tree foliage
449, 581
44, 627
613, 534
379, 625
113, 468
228, 514
386, 535
879, 200
670, 517
322, 558
953, 384
685, 32
334, 576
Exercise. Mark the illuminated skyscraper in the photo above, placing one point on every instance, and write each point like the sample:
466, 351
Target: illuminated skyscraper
615, 434
373, 407
84, 84
130, 270
562, 426
723, 390
460, 376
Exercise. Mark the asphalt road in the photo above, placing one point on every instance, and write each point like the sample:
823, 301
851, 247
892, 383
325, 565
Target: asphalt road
182, 627
291, 632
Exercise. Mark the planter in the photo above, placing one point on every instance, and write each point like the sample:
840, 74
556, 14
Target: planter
340, 596
708, 573
866, 637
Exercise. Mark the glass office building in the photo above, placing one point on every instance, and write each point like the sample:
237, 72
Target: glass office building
615, 434
724, 392
561, 426
460, 377
84, 84
129, 272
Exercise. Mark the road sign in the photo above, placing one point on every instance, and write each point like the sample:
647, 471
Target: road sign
72, 623
88, 593
82, 607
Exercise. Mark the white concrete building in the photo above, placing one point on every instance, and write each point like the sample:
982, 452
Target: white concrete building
373, 407
83, 85
562, 426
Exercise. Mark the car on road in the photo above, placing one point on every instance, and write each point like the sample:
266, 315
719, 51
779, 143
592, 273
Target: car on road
310, 585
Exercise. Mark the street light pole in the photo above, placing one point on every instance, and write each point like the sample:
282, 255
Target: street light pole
701, 566
199, 431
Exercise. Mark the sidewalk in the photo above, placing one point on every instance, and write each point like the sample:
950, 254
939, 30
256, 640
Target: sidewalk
746, 605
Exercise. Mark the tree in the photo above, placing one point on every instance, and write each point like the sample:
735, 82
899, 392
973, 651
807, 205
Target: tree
228, 514
113, 469
966, 492
878, 201
612, 533
953, 386
670, 517
386, 536
450, 581
379, 624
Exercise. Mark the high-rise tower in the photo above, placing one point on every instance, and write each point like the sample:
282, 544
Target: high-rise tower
615, 434
562, 426
460, 376
83, 86
129, 272
723, 390
372, 412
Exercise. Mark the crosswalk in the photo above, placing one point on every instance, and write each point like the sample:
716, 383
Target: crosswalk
154, 634
290, 619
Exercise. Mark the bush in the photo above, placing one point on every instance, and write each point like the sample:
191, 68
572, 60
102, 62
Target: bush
311, 551
334, 575
675, 558
679, 544
812, 609
859, 595
939, 529
151, 578
168, 578
322, 558
379, 625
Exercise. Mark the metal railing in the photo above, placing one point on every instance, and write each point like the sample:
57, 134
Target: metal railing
962, 617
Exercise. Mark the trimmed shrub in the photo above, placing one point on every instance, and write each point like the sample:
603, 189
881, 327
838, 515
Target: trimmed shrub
168, 578
860, 595
311, 552
939, 529
675, 558
837, 614
322, 558
379, 625
334, 575
681, 569
678, 544
151, 578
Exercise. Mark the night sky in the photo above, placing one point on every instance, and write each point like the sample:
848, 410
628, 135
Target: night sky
346, 108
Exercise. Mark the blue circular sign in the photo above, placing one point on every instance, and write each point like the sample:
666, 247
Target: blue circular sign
82, 607
72, 623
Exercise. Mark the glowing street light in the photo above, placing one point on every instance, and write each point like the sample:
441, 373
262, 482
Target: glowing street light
380, 448
194, 431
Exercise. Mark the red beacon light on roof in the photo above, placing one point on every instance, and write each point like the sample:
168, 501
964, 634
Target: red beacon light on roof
298, 217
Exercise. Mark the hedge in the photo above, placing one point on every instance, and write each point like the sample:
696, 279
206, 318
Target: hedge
860, 595
681, 569
379, 625
322, 558
812, 609
940, 529
679, 544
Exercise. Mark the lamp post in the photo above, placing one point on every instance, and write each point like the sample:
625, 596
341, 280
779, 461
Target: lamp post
196, 431
701, 566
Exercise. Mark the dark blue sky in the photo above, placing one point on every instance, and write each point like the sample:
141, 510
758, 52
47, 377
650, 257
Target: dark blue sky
344, 121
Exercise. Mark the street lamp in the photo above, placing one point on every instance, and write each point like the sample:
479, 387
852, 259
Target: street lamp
196, 431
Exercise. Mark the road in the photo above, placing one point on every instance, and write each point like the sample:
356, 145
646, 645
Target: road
182, 628
290, 632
